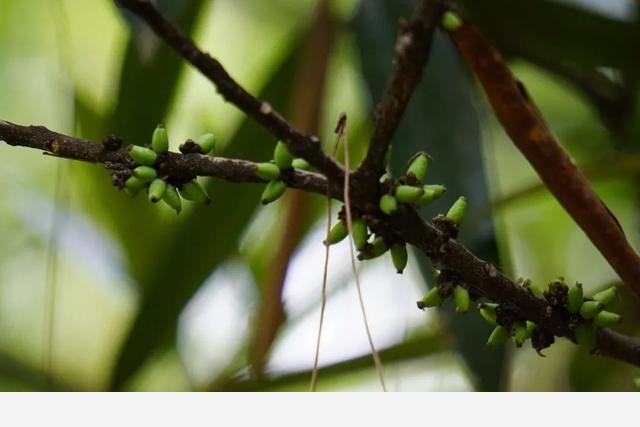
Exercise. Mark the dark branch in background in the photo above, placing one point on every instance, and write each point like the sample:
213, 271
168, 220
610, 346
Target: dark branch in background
299, 144
529, 132
411, 53
481, 277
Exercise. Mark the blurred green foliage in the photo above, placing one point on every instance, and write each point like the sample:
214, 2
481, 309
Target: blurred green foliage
150, 301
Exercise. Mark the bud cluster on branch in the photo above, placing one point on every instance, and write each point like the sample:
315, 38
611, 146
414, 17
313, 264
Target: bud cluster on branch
384, 207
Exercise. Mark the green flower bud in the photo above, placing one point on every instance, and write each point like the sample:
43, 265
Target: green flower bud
418, 166
337, 233
462, 299
282, 157
388, 204
574, 298
431, 299
273, 191
408, 193
451, 21
498, 336
399, 256
606, 319
206, 142
145, 173
359, 233
457, 210
160, 140
586, 335
530, 328
606, 296
636, 382
194, 192
156, 190
142, 155
488, 312
172, 198
301, 164
431, 193
378, 247
520, 333
133, 185
590, 309
267, 171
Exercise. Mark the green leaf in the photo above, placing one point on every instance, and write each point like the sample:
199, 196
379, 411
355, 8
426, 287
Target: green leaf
190, 251
441, 119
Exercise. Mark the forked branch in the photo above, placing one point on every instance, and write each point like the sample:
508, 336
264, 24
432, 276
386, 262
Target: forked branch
523, 123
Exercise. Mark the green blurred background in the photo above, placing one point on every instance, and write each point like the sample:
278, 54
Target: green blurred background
145, 300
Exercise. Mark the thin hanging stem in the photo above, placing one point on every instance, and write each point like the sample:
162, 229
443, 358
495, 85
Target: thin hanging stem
323, 300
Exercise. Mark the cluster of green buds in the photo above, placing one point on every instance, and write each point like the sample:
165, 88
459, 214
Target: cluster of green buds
368, 244
506, 325
410, 189
272, 171
588, 313
583, 313
505, 321
447, 284
144, 175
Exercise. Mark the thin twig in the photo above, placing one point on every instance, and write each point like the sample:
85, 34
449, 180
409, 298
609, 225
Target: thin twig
347, 205
325, 273
180, 166
528, 130
323, 302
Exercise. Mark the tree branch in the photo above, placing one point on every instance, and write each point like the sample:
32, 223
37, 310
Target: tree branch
300, 145
411, 53
447, 253
183, 167
529, 132
479, 276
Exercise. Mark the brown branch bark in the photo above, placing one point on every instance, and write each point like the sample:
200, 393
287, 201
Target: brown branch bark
529, 132
411, 53
299, 144
180, 166
481, 277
